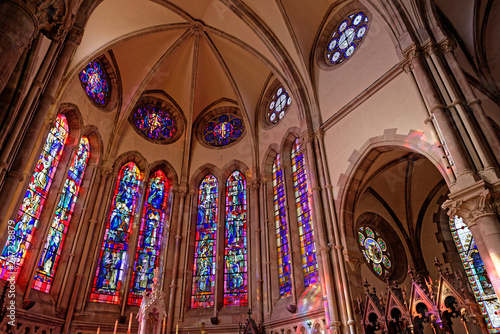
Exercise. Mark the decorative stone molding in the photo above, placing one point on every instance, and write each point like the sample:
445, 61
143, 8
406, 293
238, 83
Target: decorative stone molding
52, 16
410, 53
484, 203
354, 259
447, 45
75, 35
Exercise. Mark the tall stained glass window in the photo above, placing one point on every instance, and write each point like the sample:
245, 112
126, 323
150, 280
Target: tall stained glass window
476, 273
303, 206
148, 247
62, 216
235, 250
284, 268
113, 258
203, 288
19, 241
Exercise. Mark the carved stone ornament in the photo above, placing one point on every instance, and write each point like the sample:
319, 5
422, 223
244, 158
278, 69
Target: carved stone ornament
473, 208
53, 16
354, 259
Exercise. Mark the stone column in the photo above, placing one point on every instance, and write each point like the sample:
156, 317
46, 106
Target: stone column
479, 210
178, 238
473, 102
438, 110
256, 249
322, 248
17, 28
46, 101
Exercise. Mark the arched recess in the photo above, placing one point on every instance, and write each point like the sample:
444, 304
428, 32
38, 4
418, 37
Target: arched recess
396, 177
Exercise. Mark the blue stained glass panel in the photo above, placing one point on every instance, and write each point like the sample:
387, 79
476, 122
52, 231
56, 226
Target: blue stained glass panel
203, 288
223, 130
110, 273
235, 250
155, 122
95, 82
149, 245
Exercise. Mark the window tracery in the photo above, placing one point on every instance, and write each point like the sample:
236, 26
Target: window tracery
235, 252
62, 217
14, 252
346, 38
155, 122
112, 262
223, 130
277, 108
375, 250
95, 82
476, 273
203, 286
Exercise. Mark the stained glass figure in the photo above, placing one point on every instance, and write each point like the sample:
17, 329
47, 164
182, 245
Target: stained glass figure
223, 130
476, 273
375, 250
203, 289
95, 82
346, 38
19, 240
110, 273
280, 101
155, 122
284, 267
62, 217
148, 246
303, 206
235, 248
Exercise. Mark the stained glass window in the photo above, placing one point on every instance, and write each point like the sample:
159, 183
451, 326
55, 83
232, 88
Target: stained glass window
235, 250
206, 236
303, 206
95, 82
284, 268
155, 122
112, 262
280, 101
223, 130
375, 250
62, 216
476, 273
19, 241
346, 38
148, 246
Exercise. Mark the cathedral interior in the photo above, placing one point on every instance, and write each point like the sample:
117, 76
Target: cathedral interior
249, 166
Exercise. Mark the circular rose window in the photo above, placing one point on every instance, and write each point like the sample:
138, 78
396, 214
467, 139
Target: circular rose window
375, 250
280, 101
346, 38
222, 130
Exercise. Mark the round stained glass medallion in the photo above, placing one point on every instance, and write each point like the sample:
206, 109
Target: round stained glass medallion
222, 130
154, 122
95, 82
346, 38
375, 250
280, 101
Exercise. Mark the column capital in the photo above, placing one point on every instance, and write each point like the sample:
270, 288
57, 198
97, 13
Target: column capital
255, 184
354, 259
183, 192
105, 171
471, 208
447, 45
306, 137
411, 52
53, 16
